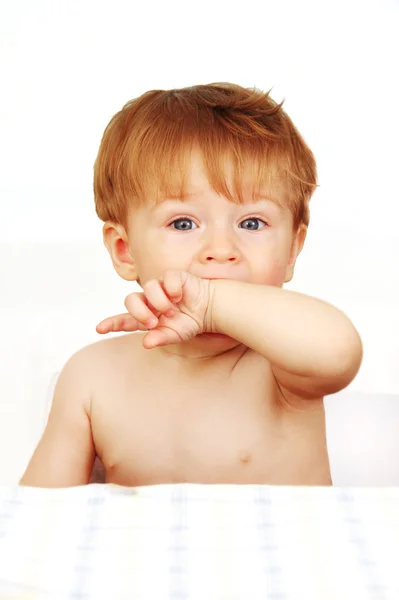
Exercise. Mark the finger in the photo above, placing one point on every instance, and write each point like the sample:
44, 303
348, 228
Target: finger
137, 306
173, 284
116, 323
161, 337
157, 297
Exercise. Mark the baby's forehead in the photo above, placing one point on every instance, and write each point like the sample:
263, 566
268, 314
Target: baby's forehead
249, 195
204, 202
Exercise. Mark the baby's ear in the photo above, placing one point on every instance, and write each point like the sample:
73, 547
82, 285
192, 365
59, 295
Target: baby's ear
117, 243
298, 241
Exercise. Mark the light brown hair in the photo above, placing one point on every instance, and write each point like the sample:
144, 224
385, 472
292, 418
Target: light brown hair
146, 147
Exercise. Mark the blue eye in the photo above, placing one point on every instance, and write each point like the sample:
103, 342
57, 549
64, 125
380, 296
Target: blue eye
184, 223
252, 221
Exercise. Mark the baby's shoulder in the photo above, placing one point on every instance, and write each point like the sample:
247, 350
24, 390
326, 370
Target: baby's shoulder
98, 369
109, 351
102, 361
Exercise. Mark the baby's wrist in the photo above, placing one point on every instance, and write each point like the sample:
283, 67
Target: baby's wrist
209, 322
216, 305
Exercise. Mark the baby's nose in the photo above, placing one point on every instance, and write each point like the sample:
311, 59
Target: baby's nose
220, 246
221, 257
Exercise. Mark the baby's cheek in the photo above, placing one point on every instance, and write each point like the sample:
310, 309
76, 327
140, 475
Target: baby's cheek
274, 273
276, 278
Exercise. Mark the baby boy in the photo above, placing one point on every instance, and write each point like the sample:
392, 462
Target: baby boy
220, 378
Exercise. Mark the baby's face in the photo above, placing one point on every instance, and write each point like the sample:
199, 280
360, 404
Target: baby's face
211, 237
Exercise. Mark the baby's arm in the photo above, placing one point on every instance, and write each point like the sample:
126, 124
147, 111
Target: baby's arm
65, 454
313, 347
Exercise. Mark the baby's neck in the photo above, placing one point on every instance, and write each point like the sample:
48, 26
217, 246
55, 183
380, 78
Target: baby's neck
199, 354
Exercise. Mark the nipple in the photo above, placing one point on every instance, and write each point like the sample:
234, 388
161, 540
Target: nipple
244, 456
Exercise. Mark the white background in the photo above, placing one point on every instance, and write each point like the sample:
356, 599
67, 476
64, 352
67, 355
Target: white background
68, 66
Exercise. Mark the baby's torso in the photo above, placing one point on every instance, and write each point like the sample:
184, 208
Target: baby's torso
154, 425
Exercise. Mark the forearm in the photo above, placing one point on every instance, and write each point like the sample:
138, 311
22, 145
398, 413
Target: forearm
295, 332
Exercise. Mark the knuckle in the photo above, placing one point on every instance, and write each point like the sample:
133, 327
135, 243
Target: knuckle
136, 306
130, 301
151, 283
153, 290
172, 276
157, 294
173, 280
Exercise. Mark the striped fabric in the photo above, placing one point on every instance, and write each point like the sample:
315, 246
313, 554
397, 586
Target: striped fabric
183, 542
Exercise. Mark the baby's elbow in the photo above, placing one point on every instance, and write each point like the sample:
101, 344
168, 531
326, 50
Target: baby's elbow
349, 355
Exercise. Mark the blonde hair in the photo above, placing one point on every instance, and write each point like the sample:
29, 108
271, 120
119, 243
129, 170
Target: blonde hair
146, 147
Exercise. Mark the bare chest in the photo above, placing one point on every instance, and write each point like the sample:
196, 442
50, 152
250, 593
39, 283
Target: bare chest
208, 430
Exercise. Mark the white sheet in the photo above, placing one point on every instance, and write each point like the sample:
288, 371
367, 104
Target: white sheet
192, 542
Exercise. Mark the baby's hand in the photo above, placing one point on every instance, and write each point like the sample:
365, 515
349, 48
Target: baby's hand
172, 309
